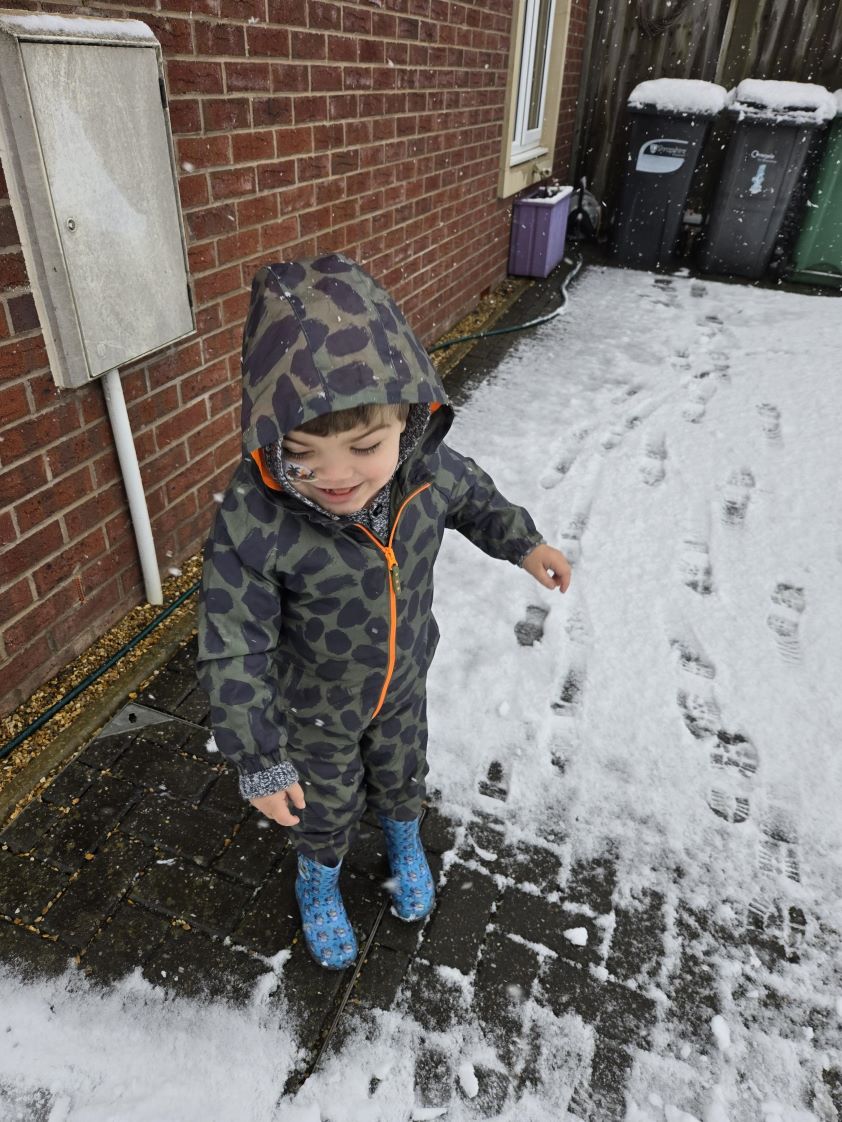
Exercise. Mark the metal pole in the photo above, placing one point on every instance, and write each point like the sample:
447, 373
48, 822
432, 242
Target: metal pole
127, 454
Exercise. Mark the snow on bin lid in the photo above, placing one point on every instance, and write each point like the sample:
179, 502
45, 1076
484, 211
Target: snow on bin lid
786, 101
679, 95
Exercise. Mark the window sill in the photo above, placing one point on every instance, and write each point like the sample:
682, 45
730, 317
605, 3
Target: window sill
524, 157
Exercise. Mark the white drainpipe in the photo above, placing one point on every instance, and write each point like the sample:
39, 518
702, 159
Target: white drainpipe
127, 455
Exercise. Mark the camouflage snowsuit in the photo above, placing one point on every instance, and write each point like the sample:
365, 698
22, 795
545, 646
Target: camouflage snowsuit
314, 636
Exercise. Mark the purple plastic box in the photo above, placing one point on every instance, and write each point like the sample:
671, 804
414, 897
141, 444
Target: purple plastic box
539, 226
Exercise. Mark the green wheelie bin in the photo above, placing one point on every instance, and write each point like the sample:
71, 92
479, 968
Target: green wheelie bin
818, 252
776, 127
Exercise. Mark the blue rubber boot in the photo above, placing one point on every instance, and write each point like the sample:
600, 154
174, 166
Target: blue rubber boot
328, 933
413, 892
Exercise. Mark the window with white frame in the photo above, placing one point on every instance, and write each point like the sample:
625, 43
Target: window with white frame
533, 92
532, 86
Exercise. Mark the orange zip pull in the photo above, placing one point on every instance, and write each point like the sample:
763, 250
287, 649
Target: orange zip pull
394, 571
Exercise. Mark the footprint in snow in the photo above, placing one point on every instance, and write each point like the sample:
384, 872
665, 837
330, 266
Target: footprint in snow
565, 462
569, 699
700, 389
732, 756
691, 661
774, 926
530, 629
732, 807
578, 631
554, 476
694, 564
700, 712
495, 785
770, 420
736, 495
612, 437
698, 289
571, 535
720, 365
784, 619
695, 697
775, 858
735, 751
653, 464
665, 292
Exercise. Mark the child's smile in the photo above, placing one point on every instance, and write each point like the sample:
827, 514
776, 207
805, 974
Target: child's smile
344, 471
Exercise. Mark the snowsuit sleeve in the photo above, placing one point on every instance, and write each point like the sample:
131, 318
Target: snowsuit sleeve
484, 516
239, 624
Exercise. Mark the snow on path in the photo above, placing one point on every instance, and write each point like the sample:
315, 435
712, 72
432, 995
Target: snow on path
682, 708
678, 707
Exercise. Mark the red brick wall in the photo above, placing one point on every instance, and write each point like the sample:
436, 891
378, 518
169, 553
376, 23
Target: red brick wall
370, 127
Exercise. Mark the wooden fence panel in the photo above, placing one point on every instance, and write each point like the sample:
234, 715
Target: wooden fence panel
715, 40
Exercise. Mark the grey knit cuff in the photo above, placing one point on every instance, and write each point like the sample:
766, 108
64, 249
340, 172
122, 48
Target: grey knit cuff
262, 783
526, 552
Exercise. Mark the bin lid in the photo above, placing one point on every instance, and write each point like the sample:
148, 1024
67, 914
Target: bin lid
786, 102
676, 96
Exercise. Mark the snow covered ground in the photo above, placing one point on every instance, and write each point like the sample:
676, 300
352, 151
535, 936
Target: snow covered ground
680, 441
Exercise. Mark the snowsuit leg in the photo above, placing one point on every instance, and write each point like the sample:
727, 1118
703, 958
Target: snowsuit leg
383, 768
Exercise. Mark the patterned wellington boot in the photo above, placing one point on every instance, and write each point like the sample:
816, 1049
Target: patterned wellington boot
328, 933
413, 892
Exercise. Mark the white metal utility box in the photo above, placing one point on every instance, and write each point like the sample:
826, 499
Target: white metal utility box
88, 157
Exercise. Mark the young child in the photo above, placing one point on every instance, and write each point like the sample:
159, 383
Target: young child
315, 624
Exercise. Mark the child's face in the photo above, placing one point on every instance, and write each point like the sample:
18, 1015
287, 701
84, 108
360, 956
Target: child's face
348, 468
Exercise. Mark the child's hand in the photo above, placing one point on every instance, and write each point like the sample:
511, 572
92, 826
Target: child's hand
549, 567
277, 806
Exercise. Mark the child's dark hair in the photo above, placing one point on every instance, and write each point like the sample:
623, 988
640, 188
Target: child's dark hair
342, 420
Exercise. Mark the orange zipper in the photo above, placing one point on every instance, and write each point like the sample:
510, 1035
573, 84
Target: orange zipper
394, 589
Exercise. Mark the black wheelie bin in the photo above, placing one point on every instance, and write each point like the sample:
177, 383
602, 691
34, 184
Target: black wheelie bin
668, 120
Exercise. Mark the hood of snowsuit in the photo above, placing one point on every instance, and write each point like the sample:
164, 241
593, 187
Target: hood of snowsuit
321, 335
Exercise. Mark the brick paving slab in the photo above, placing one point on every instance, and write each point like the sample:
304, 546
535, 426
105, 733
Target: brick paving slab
504, 981
31, 955
224, 796
125, 941
150, 765
271, 920
592, 883
308, 995
193, 965
195, 707
254, 850
435, 1001
368, 854
637, 944
540, 921
381, 976
434, 1083
397, 934
87, 824
70, 784
177, 827
103, 752
95, 891
456, 930
168, 689
198, 897
27, 887
32, 825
